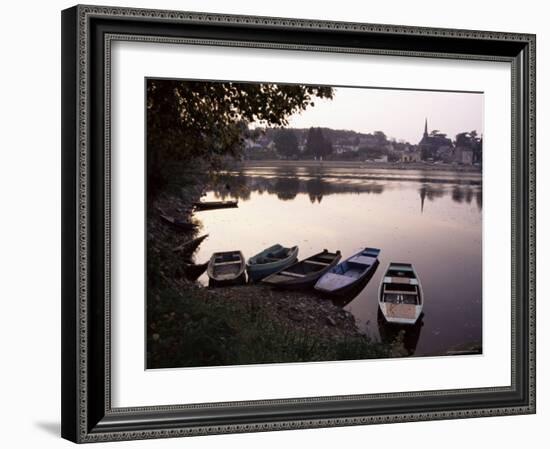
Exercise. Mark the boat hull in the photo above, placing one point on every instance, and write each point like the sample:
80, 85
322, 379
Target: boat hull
395, 314
297, 276
400, 295
194, 271
178, 224
257, 271
350, 275
212, 205
239, 280
226, 268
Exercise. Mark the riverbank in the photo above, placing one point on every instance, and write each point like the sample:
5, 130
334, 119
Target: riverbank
368, 165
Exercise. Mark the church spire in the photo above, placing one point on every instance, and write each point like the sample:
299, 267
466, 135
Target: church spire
426, 127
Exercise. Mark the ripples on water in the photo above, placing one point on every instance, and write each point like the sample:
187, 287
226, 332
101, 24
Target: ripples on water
429, 218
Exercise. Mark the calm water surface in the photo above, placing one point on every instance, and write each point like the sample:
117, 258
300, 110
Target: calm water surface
428, 218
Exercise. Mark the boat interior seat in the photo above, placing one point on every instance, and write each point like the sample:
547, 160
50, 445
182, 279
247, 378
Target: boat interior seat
400, 292
315, 262
295, 275
279, 254
353, 272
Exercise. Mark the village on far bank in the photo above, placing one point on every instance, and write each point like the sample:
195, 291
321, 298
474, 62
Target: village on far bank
434, 147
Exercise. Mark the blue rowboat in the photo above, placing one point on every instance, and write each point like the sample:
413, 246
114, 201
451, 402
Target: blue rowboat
349, 274
270, 260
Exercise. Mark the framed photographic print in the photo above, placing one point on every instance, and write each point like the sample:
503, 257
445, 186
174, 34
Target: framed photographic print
284, 223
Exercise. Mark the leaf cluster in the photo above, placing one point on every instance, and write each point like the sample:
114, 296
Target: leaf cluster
210, 119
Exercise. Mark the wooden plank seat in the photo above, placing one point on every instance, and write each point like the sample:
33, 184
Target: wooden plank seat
398, 280
400, 292
288, 273
314, 262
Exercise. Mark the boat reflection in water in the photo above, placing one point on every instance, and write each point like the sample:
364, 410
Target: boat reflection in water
408, 334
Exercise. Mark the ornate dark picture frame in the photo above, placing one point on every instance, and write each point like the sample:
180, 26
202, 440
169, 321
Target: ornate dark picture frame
87, 34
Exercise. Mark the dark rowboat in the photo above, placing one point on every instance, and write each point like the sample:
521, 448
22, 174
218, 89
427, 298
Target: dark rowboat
305, 273
194, 271
210, 205
350, 273
190, 245
270, 260
226, 268
400, 295
177, 223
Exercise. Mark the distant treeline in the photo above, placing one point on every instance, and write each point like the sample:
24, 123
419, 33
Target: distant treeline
337, 144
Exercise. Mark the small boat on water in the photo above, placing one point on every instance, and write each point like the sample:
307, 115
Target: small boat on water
190, 245
305, 273
211, 205
226, 268
270, 260
347, 275
178, 223
400, 295
193, 271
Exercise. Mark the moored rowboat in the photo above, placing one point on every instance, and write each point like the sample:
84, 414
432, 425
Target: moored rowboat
178, 223
349, 274
190, 245
226, 268
270, 260
305, 273
400, 294
194, 271
210, 205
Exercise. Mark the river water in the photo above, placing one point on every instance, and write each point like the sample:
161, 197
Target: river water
429, 218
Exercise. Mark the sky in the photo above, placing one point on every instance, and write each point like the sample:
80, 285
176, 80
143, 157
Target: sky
398, 113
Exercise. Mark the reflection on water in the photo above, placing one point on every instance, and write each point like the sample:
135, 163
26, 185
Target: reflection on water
431, 219
288, 182
407, 336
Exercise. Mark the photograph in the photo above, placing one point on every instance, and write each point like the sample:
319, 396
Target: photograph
304, 223
279, 222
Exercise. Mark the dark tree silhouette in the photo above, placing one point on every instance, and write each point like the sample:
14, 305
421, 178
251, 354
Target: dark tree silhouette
187, 119
317, 145
286, 142
471, 140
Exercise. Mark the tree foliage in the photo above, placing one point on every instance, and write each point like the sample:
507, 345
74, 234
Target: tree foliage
380, 136
317, 144
472, 141
466, 139
187, 119
286, 142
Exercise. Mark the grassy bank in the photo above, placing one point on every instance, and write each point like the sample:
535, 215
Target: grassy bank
191, 326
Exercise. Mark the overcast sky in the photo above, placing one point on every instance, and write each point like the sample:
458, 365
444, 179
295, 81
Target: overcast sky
398, 113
